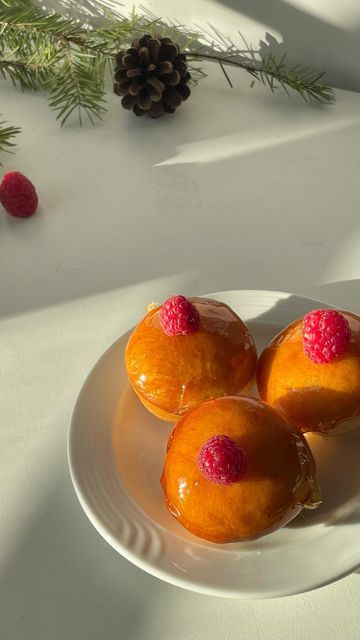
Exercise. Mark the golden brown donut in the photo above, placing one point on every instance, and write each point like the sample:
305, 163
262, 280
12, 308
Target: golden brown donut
278, 475
317, 397
172, 374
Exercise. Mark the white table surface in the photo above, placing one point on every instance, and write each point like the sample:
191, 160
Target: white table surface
239, 190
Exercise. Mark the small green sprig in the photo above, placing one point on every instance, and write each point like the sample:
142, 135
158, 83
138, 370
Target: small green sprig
6, 136
298, 78
275, 74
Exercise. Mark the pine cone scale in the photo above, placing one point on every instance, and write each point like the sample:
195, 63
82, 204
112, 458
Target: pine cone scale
184, 91
166, 67
155, 82
181, 67
171, 97
123, 87
138, 111
169, 52
129, 60
145, 101
136, 87
174, 78
132, 51
154, 47
144, 40
156, 110
151, 76
144, 56
154, 94
128, 101
133, 73
120, 75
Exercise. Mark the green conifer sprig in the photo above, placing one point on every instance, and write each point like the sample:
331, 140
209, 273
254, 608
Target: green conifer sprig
6, 136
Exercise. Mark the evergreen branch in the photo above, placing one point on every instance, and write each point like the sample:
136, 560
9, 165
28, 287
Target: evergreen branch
6, 136
51, 52
116, 33
78, 85
28, 76
297, 78
29, 19
30, 27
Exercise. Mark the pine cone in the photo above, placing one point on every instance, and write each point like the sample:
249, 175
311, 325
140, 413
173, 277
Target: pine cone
152, 76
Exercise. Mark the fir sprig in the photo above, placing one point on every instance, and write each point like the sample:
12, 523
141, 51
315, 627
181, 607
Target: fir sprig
79, 85
27, 75
67, 59
51, 52
6, 136
275, 74
298, 78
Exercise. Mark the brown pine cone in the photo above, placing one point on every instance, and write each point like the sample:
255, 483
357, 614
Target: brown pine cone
152, 76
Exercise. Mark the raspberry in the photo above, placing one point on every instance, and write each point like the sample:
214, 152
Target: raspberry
221, 460
326, 333
179, 317
18, 195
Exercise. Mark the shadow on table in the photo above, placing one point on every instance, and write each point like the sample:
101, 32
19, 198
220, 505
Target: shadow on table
66, 582
307, 39
344, 294
181, 197
326, 46
91, 11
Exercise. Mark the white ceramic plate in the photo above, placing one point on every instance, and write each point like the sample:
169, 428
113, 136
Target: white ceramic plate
123, 499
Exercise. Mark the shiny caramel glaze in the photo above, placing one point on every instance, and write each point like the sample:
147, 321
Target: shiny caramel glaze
317, 397
279, 478
172, 374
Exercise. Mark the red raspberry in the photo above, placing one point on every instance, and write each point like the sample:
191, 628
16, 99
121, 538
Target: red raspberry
221, 460
18, 195
179, 317
326, 333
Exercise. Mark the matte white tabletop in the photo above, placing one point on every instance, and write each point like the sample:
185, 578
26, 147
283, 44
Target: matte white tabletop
240, 189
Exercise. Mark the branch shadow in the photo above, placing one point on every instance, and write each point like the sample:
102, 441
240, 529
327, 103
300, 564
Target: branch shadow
87, 11
328, 47
325, 46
